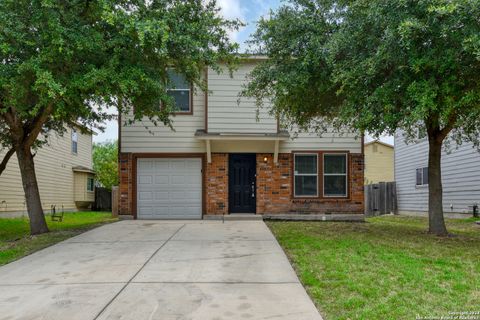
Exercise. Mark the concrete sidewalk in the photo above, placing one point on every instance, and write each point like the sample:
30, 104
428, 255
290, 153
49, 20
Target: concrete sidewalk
158, 270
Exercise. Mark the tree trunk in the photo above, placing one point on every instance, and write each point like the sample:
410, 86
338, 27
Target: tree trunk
38, 224
435, 190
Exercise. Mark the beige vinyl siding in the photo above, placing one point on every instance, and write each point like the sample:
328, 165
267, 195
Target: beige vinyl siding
379, 163
327, 141
243, 146
143, 136
80, 187
225, 114
53, 166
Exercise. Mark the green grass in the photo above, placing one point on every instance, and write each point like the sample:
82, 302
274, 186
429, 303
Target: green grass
16, 242
387, 268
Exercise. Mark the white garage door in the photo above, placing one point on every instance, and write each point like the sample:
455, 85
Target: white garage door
169, 188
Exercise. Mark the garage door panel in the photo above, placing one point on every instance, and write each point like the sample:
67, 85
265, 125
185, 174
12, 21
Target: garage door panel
184, 211
147, 165
162, 179
144, 211
162, 165
178, 165
143, 179
177, 179
169, 188
161, 196
145, 195
178, 195
192, 195
168, 212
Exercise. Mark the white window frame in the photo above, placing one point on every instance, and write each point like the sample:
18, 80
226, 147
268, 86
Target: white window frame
422, 169
74, 137
295, 174
189, 89
335, 174
88, 184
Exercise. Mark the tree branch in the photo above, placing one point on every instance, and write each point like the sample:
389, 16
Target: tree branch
12, 121
37, 125
7, 157
452, 119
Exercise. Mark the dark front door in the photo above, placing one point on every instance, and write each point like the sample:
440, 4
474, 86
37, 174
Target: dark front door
241, 184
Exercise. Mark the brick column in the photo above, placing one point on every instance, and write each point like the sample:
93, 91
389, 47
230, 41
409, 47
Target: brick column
356, 181
217, 184
125, 184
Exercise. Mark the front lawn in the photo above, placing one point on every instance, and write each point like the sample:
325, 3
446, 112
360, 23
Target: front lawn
387, 268
16, 242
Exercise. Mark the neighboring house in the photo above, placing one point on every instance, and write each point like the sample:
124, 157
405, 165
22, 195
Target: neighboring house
64, 174
460, 177
221, 160
378, 162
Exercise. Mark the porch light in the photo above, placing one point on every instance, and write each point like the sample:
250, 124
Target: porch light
265, 159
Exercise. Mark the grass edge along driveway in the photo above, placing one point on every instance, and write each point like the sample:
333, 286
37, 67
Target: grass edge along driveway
386, 268
16, 241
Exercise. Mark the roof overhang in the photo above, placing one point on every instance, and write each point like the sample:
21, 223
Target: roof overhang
229, 136
281, 136
83, 169
246, 56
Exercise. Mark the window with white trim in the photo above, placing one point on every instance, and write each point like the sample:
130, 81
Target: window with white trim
421, 176
179, 89
90, 184
335, 175
305, 175
74, 141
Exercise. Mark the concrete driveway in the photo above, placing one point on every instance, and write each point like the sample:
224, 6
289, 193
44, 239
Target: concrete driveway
158, 270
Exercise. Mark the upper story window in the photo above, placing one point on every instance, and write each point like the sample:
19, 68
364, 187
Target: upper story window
335, 175
421, 176
74, 141
305, 175
180, 90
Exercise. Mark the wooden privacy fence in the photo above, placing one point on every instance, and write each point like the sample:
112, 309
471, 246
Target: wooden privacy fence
115, 201
380, 198
103, 199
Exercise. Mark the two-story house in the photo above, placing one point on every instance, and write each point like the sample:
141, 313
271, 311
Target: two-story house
224, 157
64, 174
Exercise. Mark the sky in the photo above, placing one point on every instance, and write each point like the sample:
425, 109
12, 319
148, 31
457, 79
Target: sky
248, 11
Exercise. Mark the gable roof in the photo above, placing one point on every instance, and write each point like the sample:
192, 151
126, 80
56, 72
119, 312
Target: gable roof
379, 142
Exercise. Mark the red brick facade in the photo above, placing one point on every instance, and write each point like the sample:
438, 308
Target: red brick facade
273, 183
216, 181
274, 187
125, 167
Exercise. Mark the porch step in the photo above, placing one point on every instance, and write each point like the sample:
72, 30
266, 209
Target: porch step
234, 217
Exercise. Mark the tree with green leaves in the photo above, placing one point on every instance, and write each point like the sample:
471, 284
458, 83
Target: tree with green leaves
105, 163
70, 62
377, 66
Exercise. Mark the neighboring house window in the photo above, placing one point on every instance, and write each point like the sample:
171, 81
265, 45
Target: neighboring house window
422, 176
180, 90
90, 184
335, 175
305, 175
74, 141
